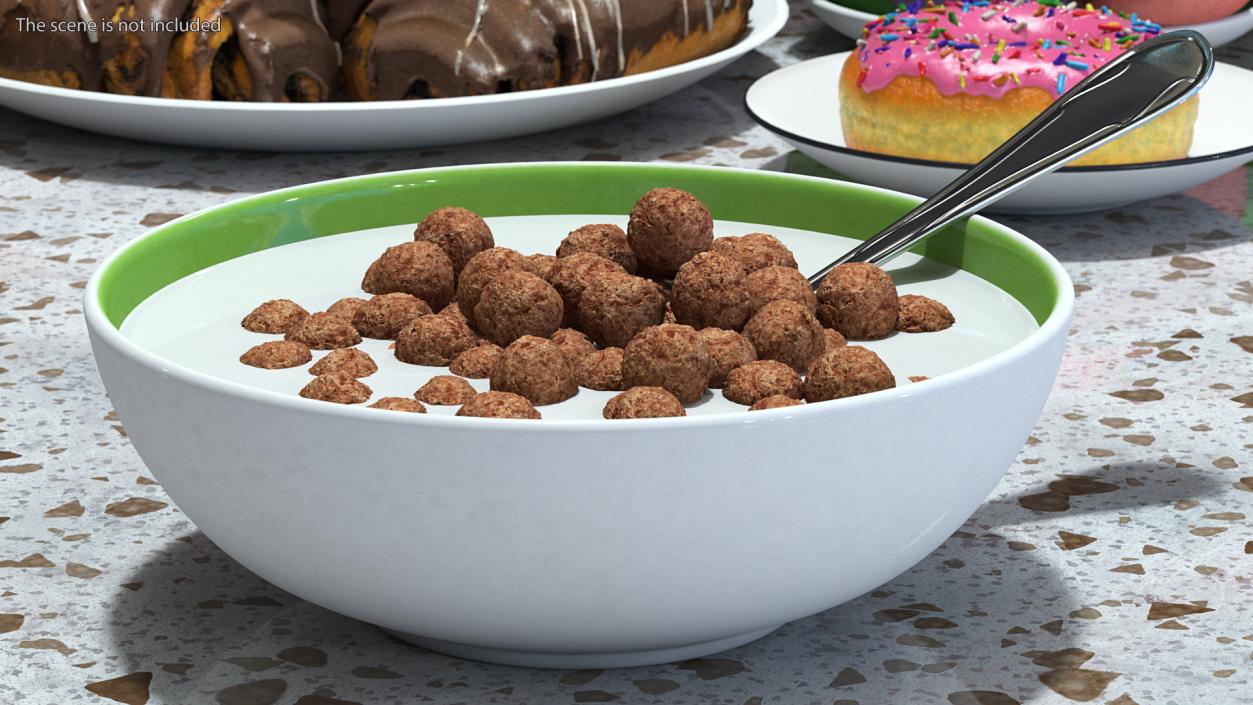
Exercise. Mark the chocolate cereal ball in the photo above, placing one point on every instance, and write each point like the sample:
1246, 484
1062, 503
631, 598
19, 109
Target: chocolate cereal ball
323, 331
499, 405
710, 292
749, 384
667, 228
786, 331
643, 403
920, 314
574, 345
413, 406
276, 316
480, 270
346, 307
859, 300
604, 239
727, 351
833, 339
614, 308
846, 372
571, 275
539, 264
418, 268
774, 401
434, 340
516, 303
775, 283
383, 316
445, 390
477, 362
277, 355
671, 356
755, 251
350, 361
338, 388
602, 370
460, 233
535, 368
454, 309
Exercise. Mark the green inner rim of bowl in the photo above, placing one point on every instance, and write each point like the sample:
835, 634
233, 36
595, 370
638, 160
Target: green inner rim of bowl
270, 220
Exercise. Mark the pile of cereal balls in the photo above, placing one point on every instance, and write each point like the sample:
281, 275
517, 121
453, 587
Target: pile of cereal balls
600, 314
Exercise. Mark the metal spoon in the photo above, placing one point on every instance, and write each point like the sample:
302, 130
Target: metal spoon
1138, 86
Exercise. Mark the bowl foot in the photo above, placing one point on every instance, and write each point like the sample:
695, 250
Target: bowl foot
623, 659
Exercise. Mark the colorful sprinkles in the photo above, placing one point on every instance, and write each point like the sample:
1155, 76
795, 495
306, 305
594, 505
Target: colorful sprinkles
983, 47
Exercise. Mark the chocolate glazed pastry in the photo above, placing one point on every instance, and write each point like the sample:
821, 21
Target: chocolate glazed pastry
341, 15
402, 49
265, 50
61, 59
134, 62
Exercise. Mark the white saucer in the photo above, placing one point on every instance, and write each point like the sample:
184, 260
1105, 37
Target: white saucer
344, 126
801, 103
849, 22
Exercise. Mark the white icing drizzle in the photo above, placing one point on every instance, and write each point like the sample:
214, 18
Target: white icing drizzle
578, 34
616, 8
84, 14
591, 38
709, 15
479, 11
687, 28
315, 8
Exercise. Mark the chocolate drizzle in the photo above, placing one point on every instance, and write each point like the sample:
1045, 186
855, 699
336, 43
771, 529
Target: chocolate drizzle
256, 50
340, 15
281, 39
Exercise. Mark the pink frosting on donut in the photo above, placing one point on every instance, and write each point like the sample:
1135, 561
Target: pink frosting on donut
991, 48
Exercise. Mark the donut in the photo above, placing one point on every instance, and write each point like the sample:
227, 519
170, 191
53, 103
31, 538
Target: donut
134, 61
59, 59
261, 50
399, 49
320, 50
951, 81
1176, 12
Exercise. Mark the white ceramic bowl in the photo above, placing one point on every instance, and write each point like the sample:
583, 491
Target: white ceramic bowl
574, 543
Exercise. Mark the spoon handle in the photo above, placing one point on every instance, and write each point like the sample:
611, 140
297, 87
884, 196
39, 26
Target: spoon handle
1138, 86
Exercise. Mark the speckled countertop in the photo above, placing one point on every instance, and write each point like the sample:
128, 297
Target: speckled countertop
1112, 565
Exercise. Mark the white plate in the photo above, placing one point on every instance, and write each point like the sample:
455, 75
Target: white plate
195, 321
849, 22
801, 103
844, 20
348, 126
